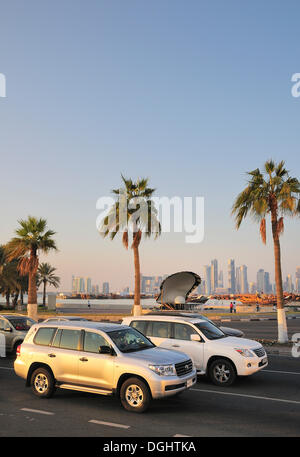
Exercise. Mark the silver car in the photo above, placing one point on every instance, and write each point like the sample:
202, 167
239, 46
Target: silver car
13, 328
103, 359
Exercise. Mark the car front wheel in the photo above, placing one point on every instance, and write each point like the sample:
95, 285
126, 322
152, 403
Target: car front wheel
135, 395
222, 372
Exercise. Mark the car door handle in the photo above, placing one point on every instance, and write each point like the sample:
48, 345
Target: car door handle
51, 355
175, 346
83, 359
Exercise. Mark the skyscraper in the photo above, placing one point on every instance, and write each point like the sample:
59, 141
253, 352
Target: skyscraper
231, 276
105, 288
244, 279
260, 280
207, 274
88, 285
297, 283
214, 275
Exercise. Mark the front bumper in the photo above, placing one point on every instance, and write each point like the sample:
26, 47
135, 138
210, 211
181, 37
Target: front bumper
251, 365
165, 386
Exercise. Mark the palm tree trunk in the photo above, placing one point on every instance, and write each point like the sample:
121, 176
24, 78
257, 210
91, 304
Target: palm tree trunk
32, 296
44, 294
281, 318
7, 296
137, 309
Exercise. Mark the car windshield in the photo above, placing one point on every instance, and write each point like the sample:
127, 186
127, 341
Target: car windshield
210, 330
21, 323
130, 340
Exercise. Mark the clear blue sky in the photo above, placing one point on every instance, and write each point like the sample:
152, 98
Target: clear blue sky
191, 94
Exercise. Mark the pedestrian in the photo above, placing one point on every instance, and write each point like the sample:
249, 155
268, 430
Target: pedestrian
231, 306
89, 304
257, 307
234, 307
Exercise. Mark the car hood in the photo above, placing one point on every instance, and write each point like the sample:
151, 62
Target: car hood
178, 285
231, 331
235, 342
158, 356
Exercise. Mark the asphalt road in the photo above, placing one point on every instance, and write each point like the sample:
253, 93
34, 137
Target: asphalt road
263, 329
265, 404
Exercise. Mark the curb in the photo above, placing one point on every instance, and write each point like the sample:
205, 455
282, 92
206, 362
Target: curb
257, 319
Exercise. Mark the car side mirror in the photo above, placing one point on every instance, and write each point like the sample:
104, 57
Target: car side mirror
105, 350
8, 329
195, 337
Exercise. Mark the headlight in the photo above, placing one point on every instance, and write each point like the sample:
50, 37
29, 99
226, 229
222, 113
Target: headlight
244, 352
163, 370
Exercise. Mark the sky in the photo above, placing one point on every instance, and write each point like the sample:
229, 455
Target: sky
190, 94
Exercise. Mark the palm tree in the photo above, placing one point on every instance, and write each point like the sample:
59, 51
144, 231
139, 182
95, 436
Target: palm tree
272, 192
45, 276
10, 280
134, 212
32, 238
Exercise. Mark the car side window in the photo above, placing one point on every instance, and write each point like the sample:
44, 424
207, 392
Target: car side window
140, 326
183, 331
44, 336
92, 342
161, 329
56, 339
70, 339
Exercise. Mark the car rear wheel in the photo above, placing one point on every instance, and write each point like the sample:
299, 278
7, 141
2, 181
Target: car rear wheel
222, 372
135, 395
42, 383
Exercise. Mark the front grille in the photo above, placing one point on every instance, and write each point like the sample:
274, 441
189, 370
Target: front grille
184, 368
260, 352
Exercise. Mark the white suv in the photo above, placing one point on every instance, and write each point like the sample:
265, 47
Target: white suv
102, 359
219, 356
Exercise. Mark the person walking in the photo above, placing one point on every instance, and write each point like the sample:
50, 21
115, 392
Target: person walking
231, 306
234, 307
257, 307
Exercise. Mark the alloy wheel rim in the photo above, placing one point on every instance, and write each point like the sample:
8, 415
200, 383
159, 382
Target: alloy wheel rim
222, 372
134, 395
41, 383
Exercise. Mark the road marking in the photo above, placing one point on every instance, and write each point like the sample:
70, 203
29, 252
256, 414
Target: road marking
248, 396
282, 372
37, 411
6, 368
109, 424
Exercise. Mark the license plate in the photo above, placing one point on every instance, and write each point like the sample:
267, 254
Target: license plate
189, 383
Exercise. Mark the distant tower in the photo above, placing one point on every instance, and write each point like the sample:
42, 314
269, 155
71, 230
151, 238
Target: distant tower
214, 275
207, 274
231, 276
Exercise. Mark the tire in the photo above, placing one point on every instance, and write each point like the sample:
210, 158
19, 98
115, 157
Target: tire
222, 372
135, 395
42, 383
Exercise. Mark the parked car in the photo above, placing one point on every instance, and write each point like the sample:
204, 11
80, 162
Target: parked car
215, 354
101, 358
14, 328
227, 330
64, 318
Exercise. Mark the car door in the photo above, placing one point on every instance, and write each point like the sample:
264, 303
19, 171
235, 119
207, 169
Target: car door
181, 341
4, 339
7, 330
95, 369
63, 355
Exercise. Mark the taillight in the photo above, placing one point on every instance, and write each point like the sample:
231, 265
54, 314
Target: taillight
18, 352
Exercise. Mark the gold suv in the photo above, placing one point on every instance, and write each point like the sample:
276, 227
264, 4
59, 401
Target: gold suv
103, 359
